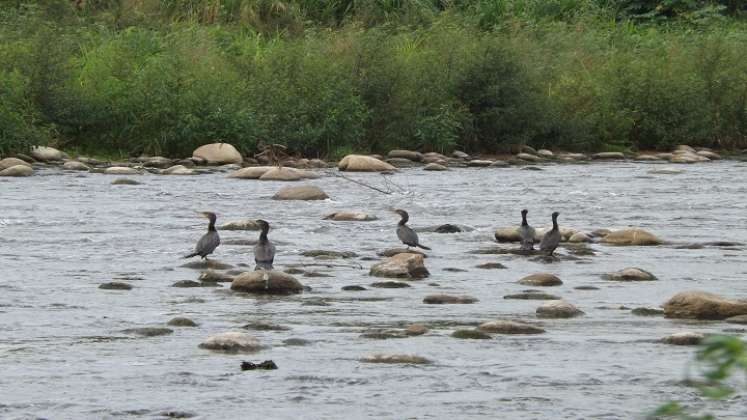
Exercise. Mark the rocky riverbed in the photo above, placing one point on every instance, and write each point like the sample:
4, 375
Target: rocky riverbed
472, 330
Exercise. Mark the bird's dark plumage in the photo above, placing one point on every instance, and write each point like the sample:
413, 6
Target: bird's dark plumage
526, 233
209, 241
552, 238
405, 233
264, 251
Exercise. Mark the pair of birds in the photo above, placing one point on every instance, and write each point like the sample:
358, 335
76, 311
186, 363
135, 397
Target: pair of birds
264, 250
549, 241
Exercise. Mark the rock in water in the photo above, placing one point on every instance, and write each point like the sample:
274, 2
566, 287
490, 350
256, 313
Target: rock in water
541, 279
361, 163
685, 338
115, 285
46, 154
253, 172
509, 327
267, 282
266, 365
401, 266
630, 274
121, 170
125, 181
218, 154
470, 335
11, 161
416, 329
73, 165
149, 331
435, 167
350, 216
608, 155
703, 305
631, 236
283, 174
181, 322
558, 309
448, 299
510, 234
231, 342
241, 225
303, 192
17, 171
406, 154
395, 358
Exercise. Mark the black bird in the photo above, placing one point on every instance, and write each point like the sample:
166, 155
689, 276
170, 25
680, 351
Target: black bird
526, 233
405, 234
264, 251
209, 241
552, 238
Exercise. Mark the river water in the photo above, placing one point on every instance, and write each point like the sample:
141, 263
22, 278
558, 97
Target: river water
63, 352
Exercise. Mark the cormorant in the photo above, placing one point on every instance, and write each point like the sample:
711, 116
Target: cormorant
264, 251
526, 233
209, 241
552, 238
405, 234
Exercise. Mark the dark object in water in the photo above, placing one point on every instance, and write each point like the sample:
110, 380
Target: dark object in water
266, 365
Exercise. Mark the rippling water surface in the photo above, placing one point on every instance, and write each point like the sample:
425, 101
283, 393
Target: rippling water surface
64, 354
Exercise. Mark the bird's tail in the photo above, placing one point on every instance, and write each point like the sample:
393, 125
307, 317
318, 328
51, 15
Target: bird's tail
190, 255
424, 247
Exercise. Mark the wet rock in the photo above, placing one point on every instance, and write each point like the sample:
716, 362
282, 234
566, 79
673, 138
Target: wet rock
435, 167
631, 236
666, 171
253, 172
383, 335
240, 225
703, 305
284, 174
442, 299
396, 251
266, 365
121, 170
207, 264
350, 216
390, 284
115, 285
579, 237
125, 181
739, 319
608, 155
448, 228
11, 161
630, 274
406, 154
303, 192
647, 311
231, 342
395, 359
149, 331
532, 296
266, 282
296, 342
264, 326
218, 154
73, 165
181, 321
600, 233
558, 309
685, 338
17, 171
354, 288
509, 327
586, 288
647, 158
326, 254
211, 276
510, 234
361, 163
492, 266
541, 279
407, 265
416, 329
46, 154
192, 283
470, 335
531, 168
479, 163
178, 170
455, 270
528, 157
177, 414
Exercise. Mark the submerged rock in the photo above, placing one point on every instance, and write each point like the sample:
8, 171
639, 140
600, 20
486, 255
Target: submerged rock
631, 236
181, 322
349, 216
390, 284
558, 309
492, 266
401, 266
125, 181
218, 154
416, 329
509, 327
685, 338
178, 170
192, 283
470, 335
353, 288
303, 192
630, 274
207, 263
541, 279
447, 228
532, 296
441, 299
115, 285
395, 358
149, 331
267, 282
264, 326
326, 254
361, 163
703, 305
231, 342
608, 155
647, 311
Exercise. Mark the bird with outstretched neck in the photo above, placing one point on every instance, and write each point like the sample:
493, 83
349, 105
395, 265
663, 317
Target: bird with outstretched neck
209, 241
264, 251
405, 233
552, 238
526, 233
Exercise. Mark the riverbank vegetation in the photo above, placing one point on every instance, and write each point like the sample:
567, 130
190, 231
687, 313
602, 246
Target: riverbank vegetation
331, 77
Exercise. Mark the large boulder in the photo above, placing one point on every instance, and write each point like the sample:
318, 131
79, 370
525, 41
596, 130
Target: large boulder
232, 342
17, 170
361, 163
703, 305
46, 154
11, 161
508, 234
509, 327
404, 265
253, 172
557, 309
303, 192
541, 279
631, 236
218, 154
350, 216
266, 282
630, 274
406, 154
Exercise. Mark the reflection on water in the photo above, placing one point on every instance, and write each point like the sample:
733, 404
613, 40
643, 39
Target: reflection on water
64, 354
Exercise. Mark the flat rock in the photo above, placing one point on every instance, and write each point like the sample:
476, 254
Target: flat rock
264, 326
115, 285
545, 153
266, 282
406, 265
353, 288
558, 309
509, 327
326, 254
390, 285
442, 299
541, 279
17, 171
739, 319
231, 342
218, 154
470, 335
532, 296
647, 311
395, 359
350, 216
206, 263
303, 192
500, 164
703, 305
630, 274
479, 163
666, 171
192, 283
631, 236
361, 163
685, 338
579, 237
211, 276
121, 170
492, 266
149, 331
416, 329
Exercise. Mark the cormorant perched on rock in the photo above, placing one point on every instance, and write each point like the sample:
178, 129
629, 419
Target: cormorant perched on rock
209, 241
526, 233
264, 251
405, 234
552, 238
